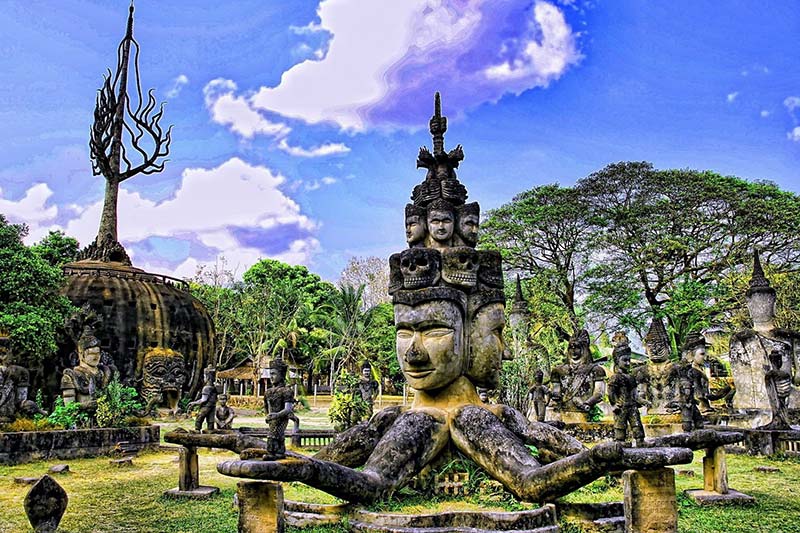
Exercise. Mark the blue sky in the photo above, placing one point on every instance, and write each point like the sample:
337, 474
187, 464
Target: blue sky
297, 124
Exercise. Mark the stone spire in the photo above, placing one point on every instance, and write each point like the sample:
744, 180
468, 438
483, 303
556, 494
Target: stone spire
758, 281
657, 333
520, 305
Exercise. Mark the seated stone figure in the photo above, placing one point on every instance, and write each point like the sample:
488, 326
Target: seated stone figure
84, 382
14, 383
224, 415
750, 348
658, 377
579, 384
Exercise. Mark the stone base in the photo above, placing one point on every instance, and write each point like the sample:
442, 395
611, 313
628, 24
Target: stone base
650, 503
541, 520
733, 497
200, 493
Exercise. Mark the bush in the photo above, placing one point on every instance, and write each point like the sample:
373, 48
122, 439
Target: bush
347, 407
116, 404
69, 416
26, 424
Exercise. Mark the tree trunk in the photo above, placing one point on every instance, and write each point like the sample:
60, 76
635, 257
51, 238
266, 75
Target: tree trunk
108, 220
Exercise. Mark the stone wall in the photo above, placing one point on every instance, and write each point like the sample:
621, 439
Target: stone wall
26, 446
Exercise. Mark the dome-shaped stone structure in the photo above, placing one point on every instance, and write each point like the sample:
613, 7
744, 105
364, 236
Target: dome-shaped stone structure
139, 312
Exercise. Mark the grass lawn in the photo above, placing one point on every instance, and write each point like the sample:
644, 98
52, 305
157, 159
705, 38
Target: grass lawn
109, 499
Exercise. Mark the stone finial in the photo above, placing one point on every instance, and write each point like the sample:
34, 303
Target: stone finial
657, 334
758, 281
45, 505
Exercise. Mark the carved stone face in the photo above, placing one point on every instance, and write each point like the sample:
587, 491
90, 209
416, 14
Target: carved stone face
624, 362
416, 229
658, 352
699, 356
761, 305
578, 352
430, 343
468, 228
441, 225
278, 375
164, 370
420, 267
486, 345
460, 266
90, 356
366, 373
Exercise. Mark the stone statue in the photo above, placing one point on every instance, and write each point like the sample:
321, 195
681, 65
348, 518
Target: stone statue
84, 382
441, 224
694, 352
779, 386
416, 225
468, 217
539, 396
14, 384
449, 340
579, 384
368, 387
658, 377
483, 394
687, 383
207, 401
164, 375
279, 406
224, 415
622, 394
750, 349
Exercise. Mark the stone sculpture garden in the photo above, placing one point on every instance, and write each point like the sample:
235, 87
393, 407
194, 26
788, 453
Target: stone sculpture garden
604, 443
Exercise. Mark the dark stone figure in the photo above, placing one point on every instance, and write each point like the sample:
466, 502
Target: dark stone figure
14, 383
622, 394
694, 352
84, 382
658, 377
779, 387
579, 384
207, 401
45, 504
164, 375
688, 381
224, 415
368, 387
539, 396
279, 406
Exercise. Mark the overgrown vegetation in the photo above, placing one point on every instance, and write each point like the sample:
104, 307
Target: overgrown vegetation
118, 405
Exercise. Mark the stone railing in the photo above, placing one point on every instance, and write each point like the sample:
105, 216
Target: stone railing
126, 274
305, 438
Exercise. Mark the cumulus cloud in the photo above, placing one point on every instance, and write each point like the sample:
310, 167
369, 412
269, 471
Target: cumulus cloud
732, 96
792, 103
177, 85
794, 135
234, 111
317, 151
33, 210
764, 113
385, 72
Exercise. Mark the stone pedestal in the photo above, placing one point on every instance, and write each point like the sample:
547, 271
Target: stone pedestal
260, 507
189, 477
715, 482
650, 504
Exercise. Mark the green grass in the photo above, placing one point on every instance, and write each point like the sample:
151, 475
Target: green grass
109, 499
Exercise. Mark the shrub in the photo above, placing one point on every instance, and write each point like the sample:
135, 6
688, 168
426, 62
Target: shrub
69, 416
116, 404
26, 424
347, 407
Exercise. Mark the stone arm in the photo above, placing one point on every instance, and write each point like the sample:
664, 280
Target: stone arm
286, 412
235, 442
552, 443
643, 387
68, 388
614, 396
697, 440
353, 447
599, 377
204, 397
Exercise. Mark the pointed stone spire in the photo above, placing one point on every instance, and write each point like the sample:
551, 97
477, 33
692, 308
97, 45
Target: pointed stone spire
758, 279
438, 126
657, 333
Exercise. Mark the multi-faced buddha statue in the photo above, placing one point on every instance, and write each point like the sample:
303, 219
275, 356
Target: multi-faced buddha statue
579, 384
750, 349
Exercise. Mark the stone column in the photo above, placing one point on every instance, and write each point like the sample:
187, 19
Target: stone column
715, 471
649, 502
188, 469
260, 507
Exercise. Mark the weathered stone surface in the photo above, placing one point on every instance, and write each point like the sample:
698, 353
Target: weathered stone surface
715, 471
26, 480
579, 384
59, 469
732, 497
164, 375
260, 507
123, 462
202, 492
531, 520
650, 503
45, 505
767, 469
22, 447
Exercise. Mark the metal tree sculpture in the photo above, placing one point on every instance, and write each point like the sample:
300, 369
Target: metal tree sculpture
124, 142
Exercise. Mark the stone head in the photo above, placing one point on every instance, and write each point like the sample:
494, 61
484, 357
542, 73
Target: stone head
656, 342
223, 400
578, 348
210, 375
622, 357
483, 394
487, 348
277, 373
89, 351
430, 336
694, 349
441, 222
490, 270
366, 371
164, 369
460, 266
416, 224
538, 377
418, 268
468, 218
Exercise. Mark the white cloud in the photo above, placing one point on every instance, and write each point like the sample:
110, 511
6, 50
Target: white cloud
328, 180
32, 210
732, 96
315, 184
794, 135
764, 113
792, 103
317, 151
234, 111
177, 85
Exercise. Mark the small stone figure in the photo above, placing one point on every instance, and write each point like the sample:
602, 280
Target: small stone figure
14, 383
695, 352
84, 382
45, 504
368, 387
579, 384
691, 418
416, 225
779, 387
483, 394
539, 396
224, 415
207, 401
622, 394
279, 406
164, 375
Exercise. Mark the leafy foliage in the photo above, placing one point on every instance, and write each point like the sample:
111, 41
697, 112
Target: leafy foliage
57, 248
347, 407
116, 405
69, 416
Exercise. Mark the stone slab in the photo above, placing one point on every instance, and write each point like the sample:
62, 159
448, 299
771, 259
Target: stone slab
25, 480
733, 497
200, 493
59, 469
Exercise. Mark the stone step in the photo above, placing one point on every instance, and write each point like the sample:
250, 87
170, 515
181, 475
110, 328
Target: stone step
360, 527
541, 520
614, 524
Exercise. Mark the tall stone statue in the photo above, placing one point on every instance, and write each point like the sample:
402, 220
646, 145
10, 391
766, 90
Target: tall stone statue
688, 384
449, 339
367, 387
207, 401
539, 396
694, 352
84, 382
658, 377
622, 394
750, 349
279, 406
779, 386
579, 384
14, 384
